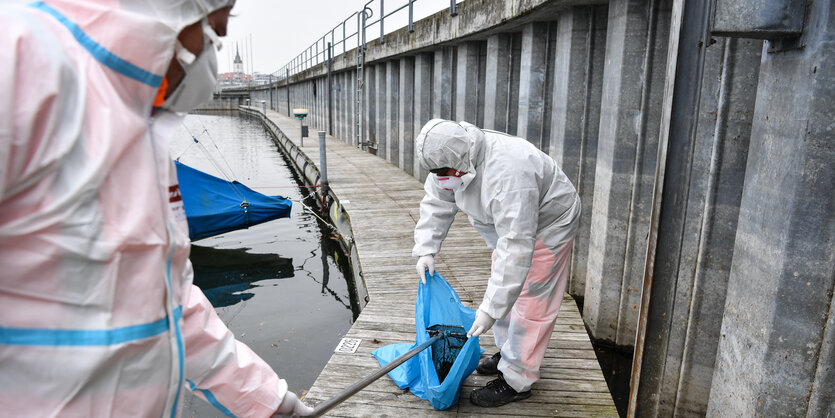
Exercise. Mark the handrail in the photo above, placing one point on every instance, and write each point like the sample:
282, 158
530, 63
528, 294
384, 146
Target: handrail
314, 55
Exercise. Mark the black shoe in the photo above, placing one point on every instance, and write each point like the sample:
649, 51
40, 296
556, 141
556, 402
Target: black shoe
497, 393
490, 365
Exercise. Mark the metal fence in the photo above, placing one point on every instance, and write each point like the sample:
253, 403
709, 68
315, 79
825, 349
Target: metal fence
355, 35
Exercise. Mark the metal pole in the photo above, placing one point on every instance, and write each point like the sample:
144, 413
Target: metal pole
358, 386
323, 168
382, 31
330, 90
287, 87
411, 16
301, 132
453, 8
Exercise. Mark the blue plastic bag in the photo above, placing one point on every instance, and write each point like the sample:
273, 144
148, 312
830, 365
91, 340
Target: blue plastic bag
437, 304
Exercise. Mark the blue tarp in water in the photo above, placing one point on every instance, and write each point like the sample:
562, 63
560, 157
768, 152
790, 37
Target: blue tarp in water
437, 304
214, 206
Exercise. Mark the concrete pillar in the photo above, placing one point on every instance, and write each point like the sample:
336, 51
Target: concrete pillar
321, 91
513, 87
346, 111
776, 353
406, 115
723, 134
393, 111
382, 132
351, 99
314, 101
338, 87
633, 85
575, 118
310, 105
533, 82
497, 81
370, 103
422, 103
443, 83
468, 90
697, 198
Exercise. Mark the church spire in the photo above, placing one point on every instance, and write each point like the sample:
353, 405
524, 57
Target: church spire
238, 63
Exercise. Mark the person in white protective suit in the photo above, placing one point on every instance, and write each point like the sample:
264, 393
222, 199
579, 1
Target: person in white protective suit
98, 313
527, 211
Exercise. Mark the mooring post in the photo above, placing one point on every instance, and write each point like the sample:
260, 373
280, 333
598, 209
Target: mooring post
323, 169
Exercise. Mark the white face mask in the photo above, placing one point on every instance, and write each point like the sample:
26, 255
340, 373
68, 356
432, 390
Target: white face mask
450, 183
200, 78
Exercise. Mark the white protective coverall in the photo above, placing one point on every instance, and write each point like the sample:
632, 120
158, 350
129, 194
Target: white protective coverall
98, 314
526, 210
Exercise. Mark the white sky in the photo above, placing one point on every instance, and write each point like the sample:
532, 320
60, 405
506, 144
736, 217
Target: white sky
279, 29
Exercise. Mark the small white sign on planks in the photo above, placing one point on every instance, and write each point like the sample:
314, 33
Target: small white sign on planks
348, 346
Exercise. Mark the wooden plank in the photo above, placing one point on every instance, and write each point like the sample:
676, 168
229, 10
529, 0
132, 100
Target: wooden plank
382, 202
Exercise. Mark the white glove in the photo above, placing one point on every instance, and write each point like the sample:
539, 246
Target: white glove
426, 262
291, 406
482, 323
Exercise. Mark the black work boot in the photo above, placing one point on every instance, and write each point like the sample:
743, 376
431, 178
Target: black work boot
497, 393
490, 365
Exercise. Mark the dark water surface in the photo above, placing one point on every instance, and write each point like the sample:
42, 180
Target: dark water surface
283, 287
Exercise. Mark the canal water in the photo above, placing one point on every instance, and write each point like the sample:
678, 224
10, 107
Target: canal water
283, 287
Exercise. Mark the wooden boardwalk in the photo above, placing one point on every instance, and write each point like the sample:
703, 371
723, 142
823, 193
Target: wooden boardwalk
382, 202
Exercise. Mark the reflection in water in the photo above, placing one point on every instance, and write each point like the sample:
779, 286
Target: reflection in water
224, 274
283, 287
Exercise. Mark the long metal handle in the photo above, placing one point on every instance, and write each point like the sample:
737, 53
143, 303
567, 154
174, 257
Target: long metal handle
356, 387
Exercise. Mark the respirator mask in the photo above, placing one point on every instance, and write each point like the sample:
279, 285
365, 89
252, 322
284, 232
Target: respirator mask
200, 77
451, 183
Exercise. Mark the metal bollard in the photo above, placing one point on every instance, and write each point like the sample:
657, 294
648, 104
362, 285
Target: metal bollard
323, 169
323, 160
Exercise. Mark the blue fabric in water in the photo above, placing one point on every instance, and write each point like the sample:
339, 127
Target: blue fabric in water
437, 304
213, 205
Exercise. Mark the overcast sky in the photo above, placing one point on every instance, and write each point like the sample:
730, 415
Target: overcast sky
280, 29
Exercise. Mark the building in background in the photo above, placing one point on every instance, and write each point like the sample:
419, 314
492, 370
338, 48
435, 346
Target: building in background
237, 77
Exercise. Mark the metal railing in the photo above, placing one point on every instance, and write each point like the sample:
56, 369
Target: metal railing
317, 52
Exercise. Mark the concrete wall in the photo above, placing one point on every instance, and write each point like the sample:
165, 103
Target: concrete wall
703, 160
777, 345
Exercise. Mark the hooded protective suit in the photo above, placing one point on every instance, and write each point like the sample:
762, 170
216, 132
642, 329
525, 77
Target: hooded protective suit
98, 315
526, 210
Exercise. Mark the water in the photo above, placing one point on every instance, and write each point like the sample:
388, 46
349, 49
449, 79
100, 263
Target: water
283, 287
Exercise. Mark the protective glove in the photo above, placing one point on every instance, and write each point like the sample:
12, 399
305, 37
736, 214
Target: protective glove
292, 406
426, 262
483, 322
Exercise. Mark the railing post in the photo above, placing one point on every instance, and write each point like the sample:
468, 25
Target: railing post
411, 16
330, 89
382, 17
453, 8
287, 86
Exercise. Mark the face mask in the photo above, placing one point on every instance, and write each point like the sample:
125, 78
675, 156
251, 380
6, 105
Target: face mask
450, 183
200, 78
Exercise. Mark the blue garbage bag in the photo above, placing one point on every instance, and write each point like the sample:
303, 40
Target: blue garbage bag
437, 305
